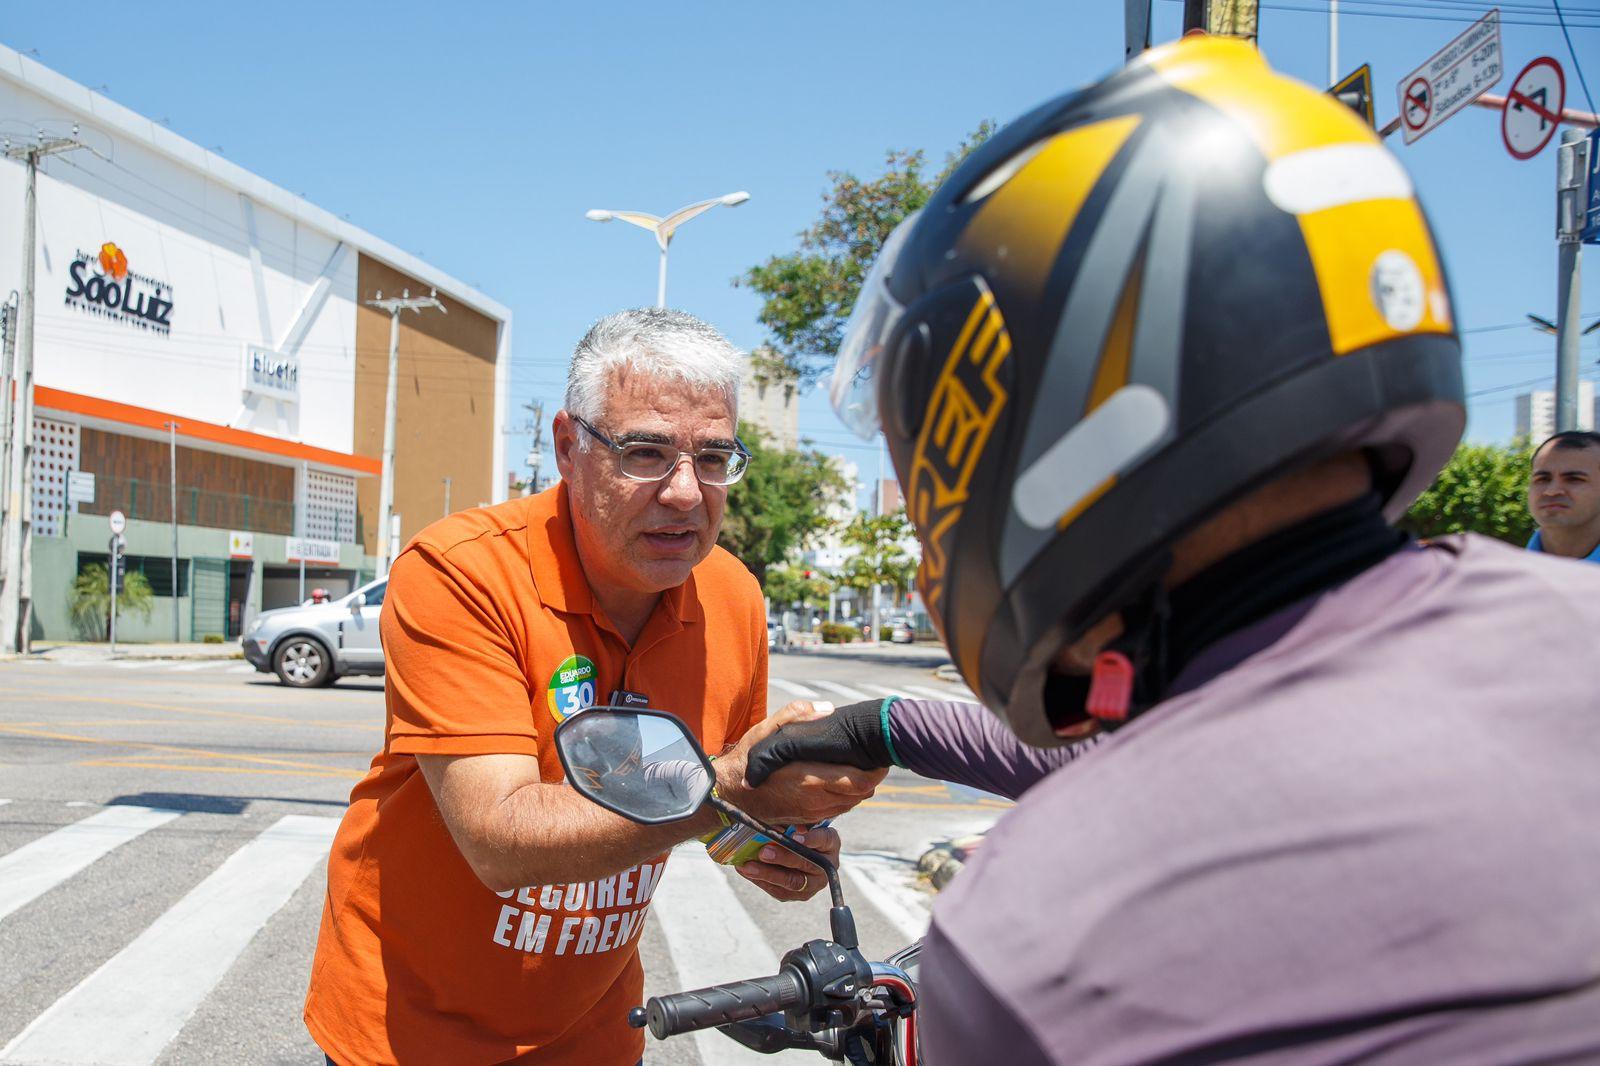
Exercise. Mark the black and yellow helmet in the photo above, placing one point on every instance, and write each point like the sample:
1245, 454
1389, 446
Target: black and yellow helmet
1129, 308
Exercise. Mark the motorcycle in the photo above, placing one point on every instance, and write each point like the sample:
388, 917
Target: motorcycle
826, 996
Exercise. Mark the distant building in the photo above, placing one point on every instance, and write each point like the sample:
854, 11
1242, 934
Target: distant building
772, 407
889, 498
1536, 412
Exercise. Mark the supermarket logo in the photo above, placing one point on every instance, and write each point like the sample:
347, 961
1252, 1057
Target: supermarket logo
103, 285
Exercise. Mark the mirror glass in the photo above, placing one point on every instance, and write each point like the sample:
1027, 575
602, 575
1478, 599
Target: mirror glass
642, 765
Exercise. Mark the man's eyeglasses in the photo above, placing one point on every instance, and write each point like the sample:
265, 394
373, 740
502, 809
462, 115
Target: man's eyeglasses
649, 461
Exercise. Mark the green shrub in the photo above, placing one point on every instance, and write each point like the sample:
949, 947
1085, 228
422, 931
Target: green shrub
212, 638
89, 600
838, 633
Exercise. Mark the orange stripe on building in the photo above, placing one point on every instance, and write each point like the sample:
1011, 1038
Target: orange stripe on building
194, 429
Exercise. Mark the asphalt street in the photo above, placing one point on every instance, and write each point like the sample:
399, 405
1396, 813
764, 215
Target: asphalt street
163, 836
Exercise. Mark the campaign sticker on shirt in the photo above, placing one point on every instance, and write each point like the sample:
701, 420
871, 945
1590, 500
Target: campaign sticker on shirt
571, 687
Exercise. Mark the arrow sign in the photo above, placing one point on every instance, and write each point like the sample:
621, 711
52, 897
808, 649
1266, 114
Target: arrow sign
1533, 108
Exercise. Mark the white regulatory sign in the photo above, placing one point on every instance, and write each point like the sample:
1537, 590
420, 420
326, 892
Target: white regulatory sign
80, 487
1458, 74
303, 549
119, 522
1533, 108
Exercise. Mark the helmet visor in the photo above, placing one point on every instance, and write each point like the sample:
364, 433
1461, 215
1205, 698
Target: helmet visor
854, 388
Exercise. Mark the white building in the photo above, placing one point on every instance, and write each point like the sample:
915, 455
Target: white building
1536, 412
175, 288
774, 408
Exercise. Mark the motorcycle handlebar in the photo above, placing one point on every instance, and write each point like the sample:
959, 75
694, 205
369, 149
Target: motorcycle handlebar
705, 1008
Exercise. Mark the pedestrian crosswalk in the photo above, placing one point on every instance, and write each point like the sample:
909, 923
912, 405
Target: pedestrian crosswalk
131, 1007
819, 689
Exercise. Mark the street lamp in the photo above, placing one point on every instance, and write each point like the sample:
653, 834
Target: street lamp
664, 228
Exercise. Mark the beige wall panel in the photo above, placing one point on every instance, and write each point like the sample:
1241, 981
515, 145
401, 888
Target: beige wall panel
444, 422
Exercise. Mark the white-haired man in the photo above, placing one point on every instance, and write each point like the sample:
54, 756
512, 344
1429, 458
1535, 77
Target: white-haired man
478, 910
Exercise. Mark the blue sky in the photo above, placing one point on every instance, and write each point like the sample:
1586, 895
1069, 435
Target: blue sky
477, 135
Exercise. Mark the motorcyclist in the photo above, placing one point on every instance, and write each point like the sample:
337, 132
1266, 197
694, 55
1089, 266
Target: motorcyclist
1158, 367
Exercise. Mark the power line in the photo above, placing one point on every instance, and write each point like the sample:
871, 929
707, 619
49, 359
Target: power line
1576, 66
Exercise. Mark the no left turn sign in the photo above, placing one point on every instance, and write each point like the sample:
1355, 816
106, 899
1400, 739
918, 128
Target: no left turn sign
1533, 108
1419, 103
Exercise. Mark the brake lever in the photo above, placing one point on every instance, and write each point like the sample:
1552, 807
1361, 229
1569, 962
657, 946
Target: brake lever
769, 1035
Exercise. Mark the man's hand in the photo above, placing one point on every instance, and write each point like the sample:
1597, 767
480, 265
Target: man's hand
802, 793
783, 875
853, 735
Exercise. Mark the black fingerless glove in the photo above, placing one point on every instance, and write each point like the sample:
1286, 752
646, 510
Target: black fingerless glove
853, 735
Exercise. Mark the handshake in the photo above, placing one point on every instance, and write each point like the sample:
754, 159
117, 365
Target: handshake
807, 763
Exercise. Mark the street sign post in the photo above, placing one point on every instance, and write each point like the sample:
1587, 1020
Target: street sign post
1354, 90
119, 522
1533, 108
1457, 74
115, 576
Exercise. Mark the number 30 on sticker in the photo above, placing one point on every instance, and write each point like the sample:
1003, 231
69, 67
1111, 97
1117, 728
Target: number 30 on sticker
571, 687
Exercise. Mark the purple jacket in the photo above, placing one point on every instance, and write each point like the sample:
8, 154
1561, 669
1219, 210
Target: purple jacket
1364, 830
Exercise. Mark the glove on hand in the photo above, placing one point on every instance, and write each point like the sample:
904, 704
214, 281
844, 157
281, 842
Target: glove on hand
852, 735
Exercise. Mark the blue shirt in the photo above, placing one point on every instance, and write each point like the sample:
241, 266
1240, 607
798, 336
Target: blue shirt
1537, 545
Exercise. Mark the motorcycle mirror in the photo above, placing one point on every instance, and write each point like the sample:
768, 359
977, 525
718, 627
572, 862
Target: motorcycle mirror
643, 765
646, 766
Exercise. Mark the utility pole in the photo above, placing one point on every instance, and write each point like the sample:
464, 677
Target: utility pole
1333, 42
172, 456
447, 497
16, 591
536, 450
8, 355
394, 305
1572, 169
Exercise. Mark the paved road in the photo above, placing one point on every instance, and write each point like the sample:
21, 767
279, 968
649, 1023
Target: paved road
164, 827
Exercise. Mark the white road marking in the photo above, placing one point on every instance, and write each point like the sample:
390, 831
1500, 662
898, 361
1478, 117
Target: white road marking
3, 802
712, 939
128, 1010
198, 666
245, 669
135, 664
959, 693
797, 691
843, 690
40, 865
881, 690
886, 883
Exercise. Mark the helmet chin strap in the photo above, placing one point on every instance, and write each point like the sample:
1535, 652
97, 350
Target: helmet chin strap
1164, 631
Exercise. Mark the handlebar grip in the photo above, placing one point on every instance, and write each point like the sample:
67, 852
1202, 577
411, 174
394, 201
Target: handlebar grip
736, 1001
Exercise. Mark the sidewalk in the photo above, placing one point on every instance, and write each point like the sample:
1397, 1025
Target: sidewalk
63, 651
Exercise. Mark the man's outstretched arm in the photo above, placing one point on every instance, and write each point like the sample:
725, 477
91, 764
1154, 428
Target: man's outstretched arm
946, 740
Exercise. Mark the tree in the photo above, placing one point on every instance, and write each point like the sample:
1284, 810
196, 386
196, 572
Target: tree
807, 295
782, 500
882, 559
89, 606
1483, 489
785, 585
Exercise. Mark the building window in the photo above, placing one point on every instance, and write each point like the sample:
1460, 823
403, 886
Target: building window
330, 507
157, 569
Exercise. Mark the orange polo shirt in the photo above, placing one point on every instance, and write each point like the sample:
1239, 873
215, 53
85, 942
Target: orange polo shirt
492, 637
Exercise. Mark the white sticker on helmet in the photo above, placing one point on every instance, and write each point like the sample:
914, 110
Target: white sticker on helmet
1114, 437
1336, 174
1397, 290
